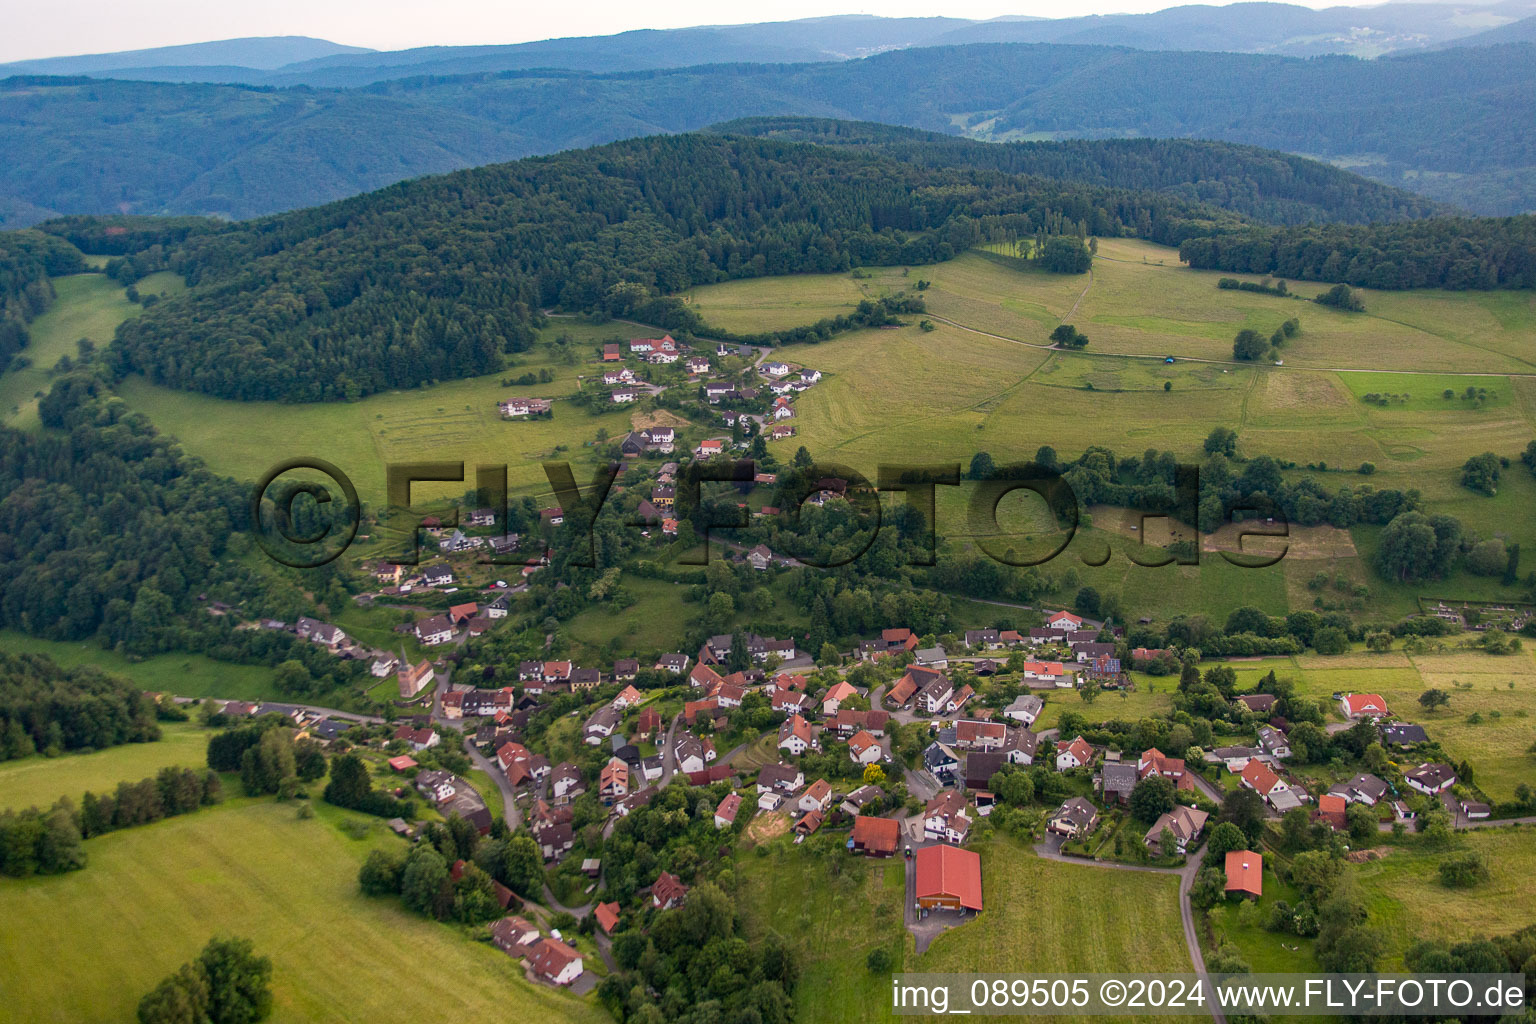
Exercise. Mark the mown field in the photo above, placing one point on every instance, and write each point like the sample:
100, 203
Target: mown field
42, 780
1043, 914
1500, 691
151, 897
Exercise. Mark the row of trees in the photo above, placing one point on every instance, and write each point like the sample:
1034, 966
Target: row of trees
45, 707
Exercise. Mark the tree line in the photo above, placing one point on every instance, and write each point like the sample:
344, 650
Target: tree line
28, 259
45, 707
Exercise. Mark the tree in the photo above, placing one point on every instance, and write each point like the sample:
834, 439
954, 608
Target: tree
424, 884
523, 871
1221, 441
1249, 345
227, 984
982, 466
878, 961
1065, 254
1361, 821
380, 874
264, 766
1245, 809
1068, 336
1209, 888
1224, 838
1341, 296
1433, 699
1481, 473
1488, 558
1330, 640
1152, 798
1415, 547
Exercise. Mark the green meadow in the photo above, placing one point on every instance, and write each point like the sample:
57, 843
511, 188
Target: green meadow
183, 673
40, 781
150, 898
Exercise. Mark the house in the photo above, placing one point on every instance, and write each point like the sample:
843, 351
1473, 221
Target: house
383, 665
607, 915
854, 803
1260, 778
1025, 708
1051, 673
1116, 781
433, 631
1087, 653
412, 678
566, 783
834, 697
613, 782
1064, 622
554, 961
864, 748
623, 396
790, 702
781, 431
648, 723
498, 607
419, 739
611, 352
435, 785
808, 822
817, 796
514, 935
1273, 742
555, 838
781, 778
795, 735
692, 754
776, 369
667, 892
1074, 818
697, 364
1403, 734
944, 817
708, 449
1258, 703
401, 763
1363, 705
985, 638
1074, 754
437, 576
1474, 811
1154, 762
931, 657
760, 557
725, 813
320, 633
1185, 823
980, 766
1431, 778
973, 735
941, 762
875, 837
705, 678
847, 721
935, 695
1245, 873
600, 726
676, 664
1365, 789
1333, 809
947, 878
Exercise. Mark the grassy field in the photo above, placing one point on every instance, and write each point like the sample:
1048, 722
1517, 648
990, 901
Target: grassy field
151, 897
737, 306
88, 306
1264, 950
185, 674
42, 780
1407, 901
1047, 915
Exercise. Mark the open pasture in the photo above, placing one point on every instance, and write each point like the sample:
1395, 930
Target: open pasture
40, 781
255, 870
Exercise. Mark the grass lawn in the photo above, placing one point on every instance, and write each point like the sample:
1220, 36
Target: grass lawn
1265, 951
185, 674
747, 305
1407, 901
251, 869
489, 792
833, 921
42, 780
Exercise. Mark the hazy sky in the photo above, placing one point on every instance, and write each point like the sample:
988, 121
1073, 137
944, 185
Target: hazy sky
65, 27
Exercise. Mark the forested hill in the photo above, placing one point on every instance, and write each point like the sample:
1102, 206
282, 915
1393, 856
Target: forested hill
1274, 187
1455, 253
1453, 124
436, 278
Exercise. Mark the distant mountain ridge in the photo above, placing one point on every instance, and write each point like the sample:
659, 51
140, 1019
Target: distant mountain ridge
1251, 27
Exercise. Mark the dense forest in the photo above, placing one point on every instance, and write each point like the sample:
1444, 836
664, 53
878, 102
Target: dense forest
435, 279
1274, 187
44, 707
1447, 124
105, 525
1456, 253
27, 260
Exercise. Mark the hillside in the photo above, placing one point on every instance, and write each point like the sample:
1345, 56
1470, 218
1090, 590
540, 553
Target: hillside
1447, 125
434, 279
1264, 184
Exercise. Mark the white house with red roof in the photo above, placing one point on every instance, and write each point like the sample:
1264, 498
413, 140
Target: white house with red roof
795, 735
1064, 622
554, 961
864, 748
725, 814
1363, 705
1074, 754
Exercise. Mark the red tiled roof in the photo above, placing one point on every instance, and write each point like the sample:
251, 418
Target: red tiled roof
1259, 776
607, 916
878, 834
945, 870
1245, 872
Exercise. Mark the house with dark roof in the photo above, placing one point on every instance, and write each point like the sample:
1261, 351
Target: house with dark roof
1431, 778
668, 892
1403, 734
1073, 818
1115, 781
